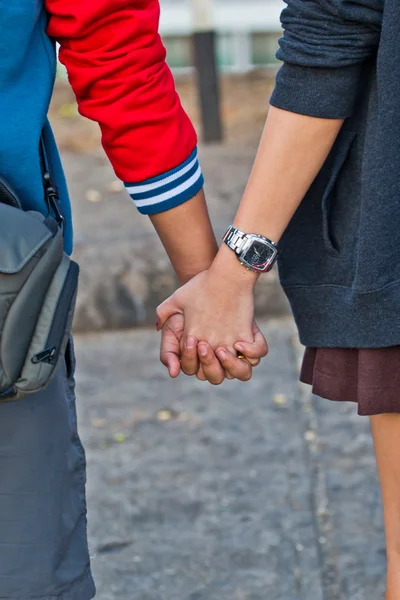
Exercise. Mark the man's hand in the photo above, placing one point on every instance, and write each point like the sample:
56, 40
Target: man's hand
170, 351
199, 359
217, 307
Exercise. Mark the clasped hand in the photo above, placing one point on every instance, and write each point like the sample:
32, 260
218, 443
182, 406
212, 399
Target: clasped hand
206, 323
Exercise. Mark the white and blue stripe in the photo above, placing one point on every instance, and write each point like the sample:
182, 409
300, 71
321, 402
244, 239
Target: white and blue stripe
169, 189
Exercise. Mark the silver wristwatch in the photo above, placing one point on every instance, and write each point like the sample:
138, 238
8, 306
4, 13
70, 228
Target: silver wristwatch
256, 252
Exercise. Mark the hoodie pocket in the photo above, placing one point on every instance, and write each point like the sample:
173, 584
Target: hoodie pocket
333, 169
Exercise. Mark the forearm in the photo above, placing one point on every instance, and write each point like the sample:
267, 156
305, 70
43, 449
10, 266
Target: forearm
324, 48
292, 151
187, 236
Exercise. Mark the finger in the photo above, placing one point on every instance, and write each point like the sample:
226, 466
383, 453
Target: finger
256, 333
212, 369
170, 345
200, 374
253, 361
236, 367
227, 374
166, 310
256, 349
171, 361
189, 357
173, 365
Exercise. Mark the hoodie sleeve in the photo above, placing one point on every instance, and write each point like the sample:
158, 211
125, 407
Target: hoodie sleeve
324, 47
116, 65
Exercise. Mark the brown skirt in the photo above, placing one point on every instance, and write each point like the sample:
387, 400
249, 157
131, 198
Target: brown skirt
370, 377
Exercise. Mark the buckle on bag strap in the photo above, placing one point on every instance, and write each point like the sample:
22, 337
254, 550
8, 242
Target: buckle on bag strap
52, 197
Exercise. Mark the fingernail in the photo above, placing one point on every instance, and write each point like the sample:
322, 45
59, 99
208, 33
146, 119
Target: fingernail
203, 350
190, 343
239, 347
221, 354
158, 326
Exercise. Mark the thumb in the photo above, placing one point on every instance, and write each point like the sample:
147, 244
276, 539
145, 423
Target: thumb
170, 345
169, 307
257, 349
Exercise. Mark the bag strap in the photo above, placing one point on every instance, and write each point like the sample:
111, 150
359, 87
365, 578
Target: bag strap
52, 197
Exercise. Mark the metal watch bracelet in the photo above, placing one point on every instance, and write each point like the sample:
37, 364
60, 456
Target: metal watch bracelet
254, 251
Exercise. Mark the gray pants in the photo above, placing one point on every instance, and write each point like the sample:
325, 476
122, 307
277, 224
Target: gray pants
43, 542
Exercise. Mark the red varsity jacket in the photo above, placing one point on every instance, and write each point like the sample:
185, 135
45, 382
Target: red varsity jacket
116, 65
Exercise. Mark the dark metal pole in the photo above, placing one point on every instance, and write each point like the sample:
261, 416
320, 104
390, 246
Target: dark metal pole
205, 60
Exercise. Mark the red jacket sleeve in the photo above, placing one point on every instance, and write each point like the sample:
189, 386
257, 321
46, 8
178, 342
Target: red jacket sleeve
116, 65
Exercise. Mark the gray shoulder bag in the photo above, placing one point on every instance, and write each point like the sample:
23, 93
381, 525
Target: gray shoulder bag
38, 285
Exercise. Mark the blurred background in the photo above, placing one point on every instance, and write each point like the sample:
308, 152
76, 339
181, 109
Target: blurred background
247, 33
254, 491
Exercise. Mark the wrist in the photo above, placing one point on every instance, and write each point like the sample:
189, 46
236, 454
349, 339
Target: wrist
194, 265
227, 267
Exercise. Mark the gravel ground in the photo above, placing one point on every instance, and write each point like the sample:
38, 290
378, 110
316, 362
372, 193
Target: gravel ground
242, 492
252, 491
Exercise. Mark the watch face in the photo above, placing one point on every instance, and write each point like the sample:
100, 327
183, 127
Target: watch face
259, 255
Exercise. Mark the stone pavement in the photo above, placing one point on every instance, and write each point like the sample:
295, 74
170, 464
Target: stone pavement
249, 491
125, 272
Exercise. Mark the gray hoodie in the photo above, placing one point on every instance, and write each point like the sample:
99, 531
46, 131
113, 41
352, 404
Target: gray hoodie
340, 256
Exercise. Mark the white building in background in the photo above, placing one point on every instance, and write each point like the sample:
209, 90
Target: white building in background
248, 31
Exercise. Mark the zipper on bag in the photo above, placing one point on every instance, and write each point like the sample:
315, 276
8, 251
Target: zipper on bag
45, 356
52, 349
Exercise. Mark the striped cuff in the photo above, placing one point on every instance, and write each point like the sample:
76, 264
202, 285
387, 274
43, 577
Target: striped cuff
169, 189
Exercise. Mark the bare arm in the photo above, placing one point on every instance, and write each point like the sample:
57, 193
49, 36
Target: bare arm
218, 304
324, 48
187, 236
292, 150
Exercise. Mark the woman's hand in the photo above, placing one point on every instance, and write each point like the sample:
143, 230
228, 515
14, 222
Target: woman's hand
171, 355
218, 310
